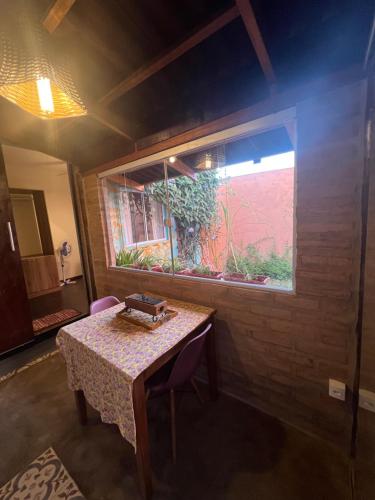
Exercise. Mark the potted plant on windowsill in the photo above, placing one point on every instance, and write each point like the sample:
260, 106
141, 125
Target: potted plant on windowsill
158, 268
165, 266
144, 262
260, 279
127, 257
246, 278
201, 271
134, 259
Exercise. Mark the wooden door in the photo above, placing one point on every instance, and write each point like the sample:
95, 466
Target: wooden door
15, 316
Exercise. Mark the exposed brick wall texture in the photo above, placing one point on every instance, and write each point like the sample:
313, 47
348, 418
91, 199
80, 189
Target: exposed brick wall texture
277, 350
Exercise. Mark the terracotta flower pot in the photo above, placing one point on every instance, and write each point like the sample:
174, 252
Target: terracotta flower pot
241, 278
213, 275
261, 279
185, 272
157, 269
191, 272
139, 266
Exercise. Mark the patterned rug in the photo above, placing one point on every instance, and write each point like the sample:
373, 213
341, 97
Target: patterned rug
44, 479
53, 319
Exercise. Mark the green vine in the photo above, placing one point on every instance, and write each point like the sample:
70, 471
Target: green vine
193, 206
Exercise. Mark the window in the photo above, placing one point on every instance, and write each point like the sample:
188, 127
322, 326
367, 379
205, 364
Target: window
224, 212
143, 217
136, 221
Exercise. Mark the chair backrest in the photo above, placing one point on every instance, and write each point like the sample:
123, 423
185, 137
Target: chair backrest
103, 303
188, 360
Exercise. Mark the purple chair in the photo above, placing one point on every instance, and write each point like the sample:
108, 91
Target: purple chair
175, 374
103, 303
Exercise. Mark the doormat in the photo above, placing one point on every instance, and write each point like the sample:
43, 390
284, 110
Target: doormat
53, 319
44, 479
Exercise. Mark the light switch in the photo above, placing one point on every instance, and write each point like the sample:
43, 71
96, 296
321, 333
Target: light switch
337, 389
367, 400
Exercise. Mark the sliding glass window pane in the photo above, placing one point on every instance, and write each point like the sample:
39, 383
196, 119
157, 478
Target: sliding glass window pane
157, 222
155, 219
192, 198
222, 213
136, 220
256, 205
137, 216
233, 211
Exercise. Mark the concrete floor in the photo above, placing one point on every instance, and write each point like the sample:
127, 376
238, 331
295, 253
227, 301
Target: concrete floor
226, 450
42, 346
71, 296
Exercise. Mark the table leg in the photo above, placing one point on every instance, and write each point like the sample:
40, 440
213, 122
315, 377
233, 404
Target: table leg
211, 362
81, 406
143, 448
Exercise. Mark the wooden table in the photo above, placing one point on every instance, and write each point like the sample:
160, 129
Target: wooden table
77, 337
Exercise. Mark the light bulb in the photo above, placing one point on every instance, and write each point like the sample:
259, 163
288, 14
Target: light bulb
172, 159
45, 95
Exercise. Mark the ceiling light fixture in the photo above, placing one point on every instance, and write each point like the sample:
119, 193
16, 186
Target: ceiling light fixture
211, 158
45, 95
33, 75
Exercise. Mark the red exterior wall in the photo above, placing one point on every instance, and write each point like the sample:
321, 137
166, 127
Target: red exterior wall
260, 212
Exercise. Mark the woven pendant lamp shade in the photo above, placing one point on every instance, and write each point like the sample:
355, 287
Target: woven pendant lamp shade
211, 158
26, 56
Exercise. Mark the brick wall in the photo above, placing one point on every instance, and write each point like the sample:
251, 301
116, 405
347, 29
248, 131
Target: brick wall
277, 350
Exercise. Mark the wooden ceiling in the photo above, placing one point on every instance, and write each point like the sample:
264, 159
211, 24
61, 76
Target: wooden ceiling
143, 66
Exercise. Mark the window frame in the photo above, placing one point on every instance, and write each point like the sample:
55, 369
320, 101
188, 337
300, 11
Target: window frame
144, 216
286, 117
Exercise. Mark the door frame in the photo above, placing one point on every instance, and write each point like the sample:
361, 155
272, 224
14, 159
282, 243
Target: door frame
42, 217
22, 326
82, 237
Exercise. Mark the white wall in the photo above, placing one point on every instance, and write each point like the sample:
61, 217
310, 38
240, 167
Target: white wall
33, 170
26, 223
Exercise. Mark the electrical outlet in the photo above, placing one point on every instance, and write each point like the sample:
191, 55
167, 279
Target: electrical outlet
367, 400
337, 389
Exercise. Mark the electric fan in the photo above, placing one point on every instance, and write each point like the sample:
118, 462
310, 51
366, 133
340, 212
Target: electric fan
65, 250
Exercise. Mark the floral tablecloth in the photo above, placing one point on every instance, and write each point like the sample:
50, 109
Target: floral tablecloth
104, 354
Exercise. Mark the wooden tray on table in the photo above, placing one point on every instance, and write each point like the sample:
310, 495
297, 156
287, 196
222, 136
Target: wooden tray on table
141, 318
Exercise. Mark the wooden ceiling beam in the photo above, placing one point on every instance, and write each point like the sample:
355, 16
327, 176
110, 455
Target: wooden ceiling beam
95, 42
161, 62
269, 106
126, 182
52, 20
252, 28
56, 14
109, 120
102, 116
182, 168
